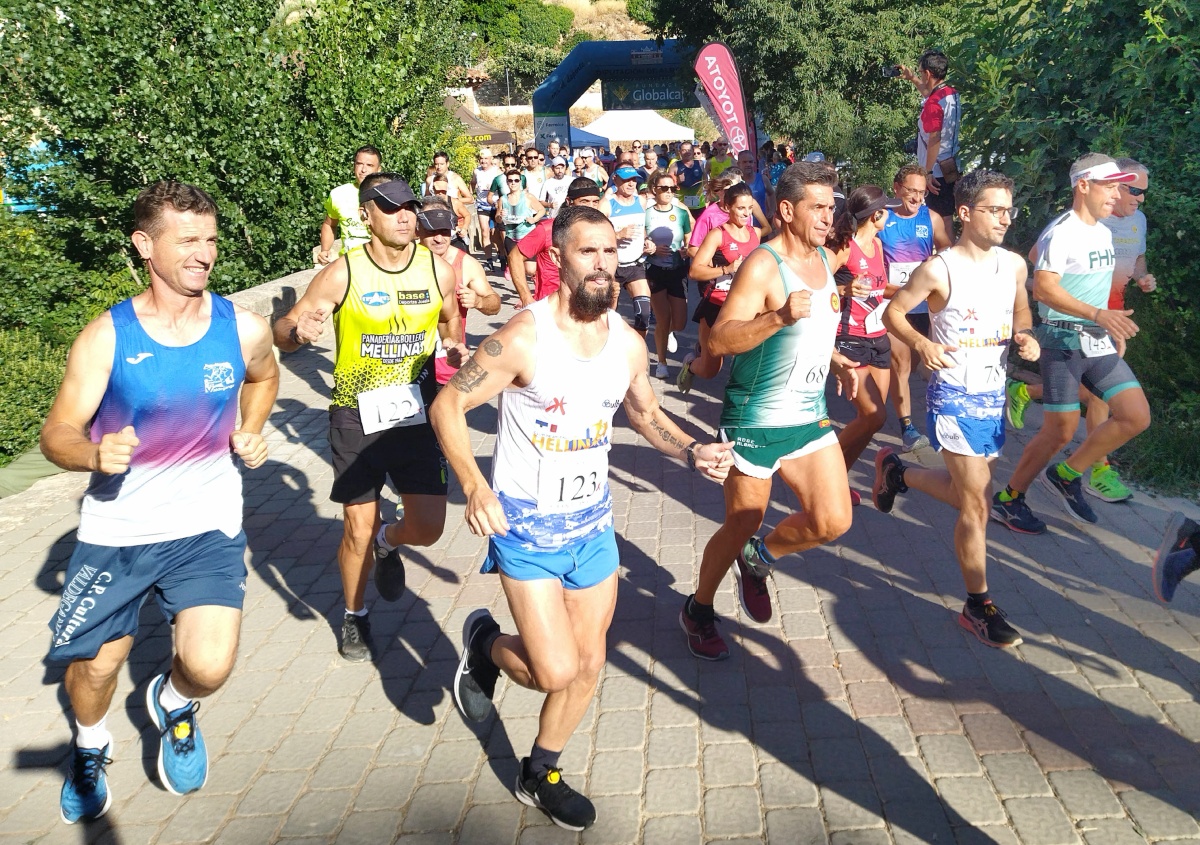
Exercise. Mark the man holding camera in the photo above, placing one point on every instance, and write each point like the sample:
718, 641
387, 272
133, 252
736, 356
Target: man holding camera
937, 130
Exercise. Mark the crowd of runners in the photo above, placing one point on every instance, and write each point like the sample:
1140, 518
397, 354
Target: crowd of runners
804, 286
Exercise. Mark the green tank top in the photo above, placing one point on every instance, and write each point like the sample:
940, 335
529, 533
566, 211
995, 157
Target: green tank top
781, 382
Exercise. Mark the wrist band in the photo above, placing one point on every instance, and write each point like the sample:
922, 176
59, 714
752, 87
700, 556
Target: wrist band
690, 453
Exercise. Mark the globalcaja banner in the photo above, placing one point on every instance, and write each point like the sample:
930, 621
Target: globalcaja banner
718, 73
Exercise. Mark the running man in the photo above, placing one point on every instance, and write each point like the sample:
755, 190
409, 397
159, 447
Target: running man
561, 367
482, 178
978, 307
1083, 342
628, 217
388, 299
341, 209
779, 322
689, 178
911, 235
536, 246
149, 406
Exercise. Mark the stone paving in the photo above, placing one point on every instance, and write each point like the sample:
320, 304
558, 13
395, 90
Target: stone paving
860, 714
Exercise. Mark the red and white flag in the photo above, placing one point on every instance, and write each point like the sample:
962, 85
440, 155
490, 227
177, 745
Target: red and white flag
718, 73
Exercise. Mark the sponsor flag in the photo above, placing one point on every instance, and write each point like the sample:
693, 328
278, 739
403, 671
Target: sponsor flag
718, 74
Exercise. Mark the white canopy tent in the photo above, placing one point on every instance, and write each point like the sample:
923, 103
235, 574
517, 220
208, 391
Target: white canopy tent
638, 125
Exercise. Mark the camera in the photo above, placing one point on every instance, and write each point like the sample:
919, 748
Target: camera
890, 71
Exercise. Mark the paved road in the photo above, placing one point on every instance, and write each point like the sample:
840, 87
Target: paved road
861, 714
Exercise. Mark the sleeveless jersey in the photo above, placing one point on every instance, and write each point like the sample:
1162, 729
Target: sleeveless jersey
716, 167
182, 402
729, 251
483, 182
977, 320
386, 328
550, 464
629, 250
342, 205
907, 241
520, 228
1084, 258
690, 178
781, 382
862, 316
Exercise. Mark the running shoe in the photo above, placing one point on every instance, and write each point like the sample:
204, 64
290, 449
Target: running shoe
855, 498
988, 625
704, 641
684, 380
661, 371
85, 796
549, 793
475, 683
888, 479
389, 572
1016, 515
1176, 558
752, 575
182, 757
672, 343
356, 638
1070, 494
1106, 485
1018, 401
912, 439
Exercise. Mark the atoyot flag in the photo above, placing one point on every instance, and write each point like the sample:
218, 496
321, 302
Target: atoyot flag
718, 73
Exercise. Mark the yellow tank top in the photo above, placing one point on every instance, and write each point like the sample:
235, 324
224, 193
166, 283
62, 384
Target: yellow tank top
716, 167
386, 327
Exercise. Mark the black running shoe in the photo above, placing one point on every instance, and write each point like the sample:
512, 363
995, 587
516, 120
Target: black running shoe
475, 683
1070, 494
356, 638
550, 794
988, 625
889, 471
1016, 515
389, 572
1176, 557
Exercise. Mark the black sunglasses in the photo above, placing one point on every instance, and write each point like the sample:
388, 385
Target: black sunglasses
1137, 192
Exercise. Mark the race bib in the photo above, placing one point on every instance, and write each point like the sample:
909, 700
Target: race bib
691, 201
1095, 347
395, 406
806, 380
874, 322
984, 378
900, 271
572, 482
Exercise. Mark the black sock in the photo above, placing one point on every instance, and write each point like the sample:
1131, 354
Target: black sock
977, 600
541, 761
699, 612
485, 647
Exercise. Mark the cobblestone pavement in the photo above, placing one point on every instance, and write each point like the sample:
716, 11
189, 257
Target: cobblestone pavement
860, 714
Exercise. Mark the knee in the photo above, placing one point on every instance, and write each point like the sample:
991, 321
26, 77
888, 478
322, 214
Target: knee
1138, 420
98, 672
876, 418
829, 523
208, 673
744, 523
556, 674
425, 533
974, 507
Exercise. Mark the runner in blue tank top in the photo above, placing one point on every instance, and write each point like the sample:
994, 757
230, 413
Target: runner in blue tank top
149, 405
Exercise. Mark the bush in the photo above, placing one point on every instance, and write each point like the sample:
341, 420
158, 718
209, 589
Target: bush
29, 380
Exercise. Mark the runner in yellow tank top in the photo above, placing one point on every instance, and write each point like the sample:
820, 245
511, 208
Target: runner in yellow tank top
387, 298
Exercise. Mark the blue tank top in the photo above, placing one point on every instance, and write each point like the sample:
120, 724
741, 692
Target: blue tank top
182, 402
907, 241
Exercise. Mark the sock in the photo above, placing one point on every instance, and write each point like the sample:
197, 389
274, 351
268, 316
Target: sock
1008, 495
96, 736
170, 698
761, 547
381, 539
977, 600
359, 613
905, 422
1099, 466
541, 761
1065, 472
485, 647
699, 612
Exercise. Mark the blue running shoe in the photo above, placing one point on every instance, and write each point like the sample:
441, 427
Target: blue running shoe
85, 796
1176, 557
1069, 494
182, 757
1016, 515
912, 440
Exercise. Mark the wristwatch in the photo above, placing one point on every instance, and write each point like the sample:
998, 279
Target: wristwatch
690, 452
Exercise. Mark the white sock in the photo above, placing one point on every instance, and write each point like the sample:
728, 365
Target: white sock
362, 612
381, 538
96, 736
170, 698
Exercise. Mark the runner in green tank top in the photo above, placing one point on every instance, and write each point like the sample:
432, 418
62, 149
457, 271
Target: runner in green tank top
779, 320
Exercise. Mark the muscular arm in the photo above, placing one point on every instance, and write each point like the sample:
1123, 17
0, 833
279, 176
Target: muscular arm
702, 264
258, 390
65, 441
1047, 288
325, 292
748, 317
763, 222
485, 299
941, 236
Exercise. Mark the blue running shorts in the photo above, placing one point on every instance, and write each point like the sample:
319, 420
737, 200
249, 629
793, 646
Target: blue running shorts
576, 566
966, 435
105, 587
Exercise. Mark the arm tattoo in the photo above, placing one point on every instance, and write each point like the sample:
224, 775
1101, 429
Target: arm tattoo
469, 377
493, 347
667, 437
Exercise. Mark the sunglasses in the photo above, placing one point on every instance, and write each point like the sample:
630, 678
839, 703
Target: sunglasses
664, 188
1137, 192
513, 181
637, 146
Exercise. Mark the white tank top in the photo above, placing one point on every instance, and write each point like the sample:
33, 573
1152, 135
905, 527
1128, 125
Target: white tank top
550, 464
977, 320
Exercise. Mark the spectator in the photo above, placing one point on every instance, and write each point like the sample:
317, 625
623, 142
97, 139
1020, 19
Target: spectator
937, 130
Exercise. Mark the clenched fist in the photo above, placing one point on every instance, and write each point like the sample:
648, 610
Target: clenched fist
797, 307
115, 451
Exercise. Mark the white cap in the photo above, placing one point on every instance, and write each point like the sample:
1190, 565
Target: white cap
557, 160
587, 152
1106, 171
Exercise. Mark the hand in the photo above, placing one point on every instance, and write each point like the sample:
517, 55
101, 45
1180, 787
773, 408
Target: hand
714, 460
250, 447
467, 298
1147, 283
1027, 346
324, 256
651, 249
311, 325
662, 249
861, 287
797, 306
847, 381
735, 266
935, 355
1116, 323
626, 232
456, 354
931, 185
484, 514
1120, 344
115, 450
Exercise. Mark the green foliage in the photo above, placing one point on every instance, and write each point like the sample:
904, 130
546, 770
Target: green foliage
813, 69
544, 25
29, 380
523, 40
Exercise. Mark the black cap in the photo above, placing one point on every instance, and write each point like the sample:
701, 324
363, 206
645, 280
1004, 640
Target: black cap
582, 186
389, 196
435, 219
878, 205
